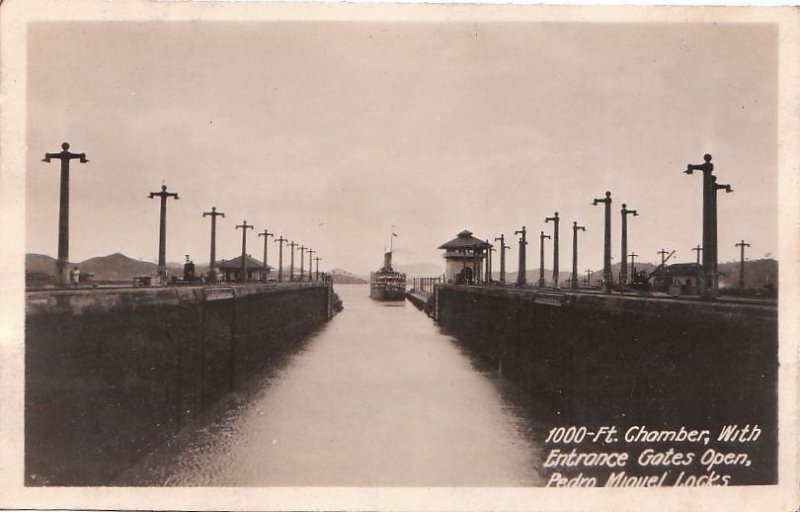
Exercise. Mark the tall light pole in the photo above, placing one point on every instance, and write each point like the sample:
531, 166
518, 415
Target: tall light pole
633, 266
310, 259
542, 236
715, 187
554, 219
575, 229
521, 277
280, 242
266, 234
212, 265
623, 272
742, 244
607, 278
503, 248
710, 282
302, 262
291, 260
63, 209
244, 226
162, 233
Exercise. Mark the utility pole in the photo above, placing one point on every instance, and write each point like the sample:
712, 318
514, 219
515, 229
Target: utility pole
291, 261
243, 268
162, 234
280, 241
521, 278
489, 249
607, 278
309, 252
663, 268
503, 248
575, 229
554, 219
212, 265
698, 250
542, 236
266, 234
63, 209
316, 274
742, 244
623, 272
588, 277
302, 261
633, 266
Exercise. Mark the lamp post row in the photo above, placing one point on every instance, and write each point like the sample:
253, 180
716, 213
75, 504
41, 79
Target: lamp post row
710, 275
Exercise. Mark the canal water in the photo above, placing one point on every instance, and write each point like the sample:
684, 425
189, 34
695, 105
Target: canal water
377, 397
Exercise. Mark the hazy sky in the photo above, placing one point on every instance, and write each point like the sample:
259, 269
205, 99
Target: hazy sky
329, 132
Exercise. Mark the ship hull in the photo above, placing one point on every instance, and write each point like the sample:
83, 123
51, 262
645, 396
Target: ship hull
387, 295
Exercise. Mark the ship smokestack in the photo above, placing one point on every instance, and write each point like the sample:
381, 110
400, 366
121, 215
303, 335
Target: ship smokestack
387, 262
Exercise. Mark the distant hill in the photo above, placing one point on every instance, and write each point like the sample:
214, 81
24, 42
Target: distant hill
757, 273
114, 267
339, 276
40, 263
117, 266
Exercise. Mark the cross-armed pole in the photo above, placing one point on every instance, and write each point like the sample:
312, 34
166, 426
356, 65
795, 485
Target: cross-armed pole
212, 265
280, 241
291, 260
266, 234
742, 244
162, 234
633, 266
63, 209
698, 250
244, 226
302, 261
310, 259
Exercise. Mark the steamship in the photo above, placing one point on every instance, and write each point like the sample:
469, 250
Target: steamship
386, 284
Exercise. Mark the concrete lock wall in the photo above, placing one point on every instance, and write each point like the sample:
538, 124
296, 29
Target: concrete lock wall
112, 374
622, 360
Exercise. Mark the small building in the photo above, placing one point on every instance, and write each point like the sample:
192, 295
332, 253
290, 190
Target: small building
682, 278
464, 256
230, 270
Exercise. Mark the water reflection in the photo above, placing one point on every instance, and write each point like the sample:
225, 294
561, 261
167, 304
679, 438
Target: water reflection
377, 397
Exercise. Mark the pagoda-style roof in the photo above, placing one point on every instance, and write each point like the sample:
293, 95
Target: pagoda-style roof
236, 264
465, 240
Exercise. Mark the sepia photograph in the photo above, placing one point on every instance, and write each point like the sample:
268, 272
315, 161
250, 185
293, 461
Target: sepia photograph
285, 256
